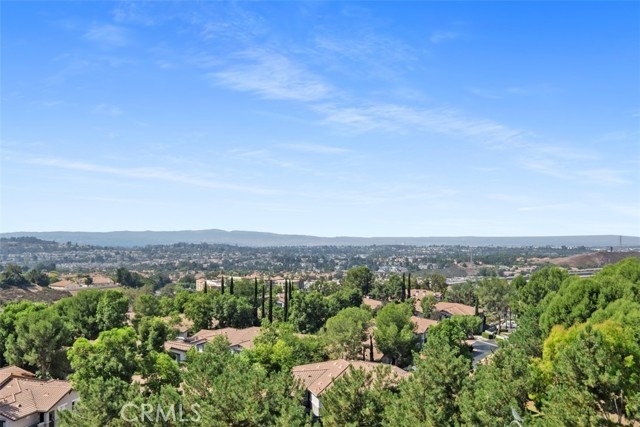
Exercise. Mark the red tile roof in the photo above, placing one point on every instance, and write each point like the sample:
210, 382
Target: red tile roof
318, 377
22, 395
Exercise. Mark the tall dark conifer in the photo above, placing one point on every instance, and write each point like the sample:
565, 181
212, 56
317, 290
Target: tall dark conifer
255, 297
222, 285
205, 286
286, 300
409, 286
263, 298
270, 301
404, 289
371, 347
231, 285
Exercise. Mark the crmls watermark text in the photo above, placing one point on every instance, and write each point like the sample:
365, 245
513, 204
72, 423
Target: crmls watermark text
147, 412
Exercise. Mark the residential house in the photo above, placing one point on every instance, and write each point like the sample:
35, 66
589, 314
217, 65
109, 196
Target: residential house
422, 325
239, 339
445, 310
26, 401
419, 294
182, 327
210, 283
374, 304
66, 285
319, 377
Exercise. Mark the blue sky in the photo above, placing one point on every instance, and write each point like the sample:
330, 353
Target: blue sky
324, 118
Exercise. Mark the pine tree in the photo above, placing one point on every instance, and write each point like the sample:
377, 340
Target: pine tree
222, 287
404, 289
231, 285
409, 287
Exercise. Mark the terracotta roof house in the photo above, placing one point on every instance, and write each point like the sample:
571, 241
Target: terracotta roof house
419, 294
65, 285
101, 280
183, 327
448, 309
421, 328
319, 377
239, 339
373, 303
26, 401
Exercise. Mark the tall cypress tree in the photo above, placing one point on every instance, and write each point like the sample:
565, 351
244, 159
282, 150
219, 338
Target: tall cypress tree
409, 287
205, 285
231, 285
222, 285
404, 290
270, 301
286, 300
371, 347
255, 298
263, 298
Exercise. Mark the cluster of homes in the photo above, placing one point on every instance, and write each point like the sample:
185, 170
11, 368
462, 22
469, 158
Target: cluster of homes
318, 377
26, 401
74, 283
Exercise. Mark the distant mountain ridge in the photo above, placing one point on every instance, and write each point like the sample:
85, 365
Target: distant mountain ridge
262, 239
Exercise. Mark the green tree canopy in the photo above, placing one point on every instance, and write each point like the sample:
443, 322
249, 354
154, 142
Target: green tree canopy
309, 311
232, 311
111, 311
429, 396
152, 334
428, 305
360, 278
278, 349
39, 342
358, 398
8, 318
346, 331
12, 276
199, 309
112, 355
230, 391
394, 333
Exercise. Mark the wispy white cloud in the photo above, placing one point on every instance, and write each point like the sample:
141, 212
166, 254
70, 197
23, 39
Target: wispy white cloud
272, 75
549, 207
159, 174
614, 136
440, 36
315, 148
108, 35
603, 176
264, 157
392, 117
596, 176
485, 93
509, 198
548, 167
107, 110
363, 55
